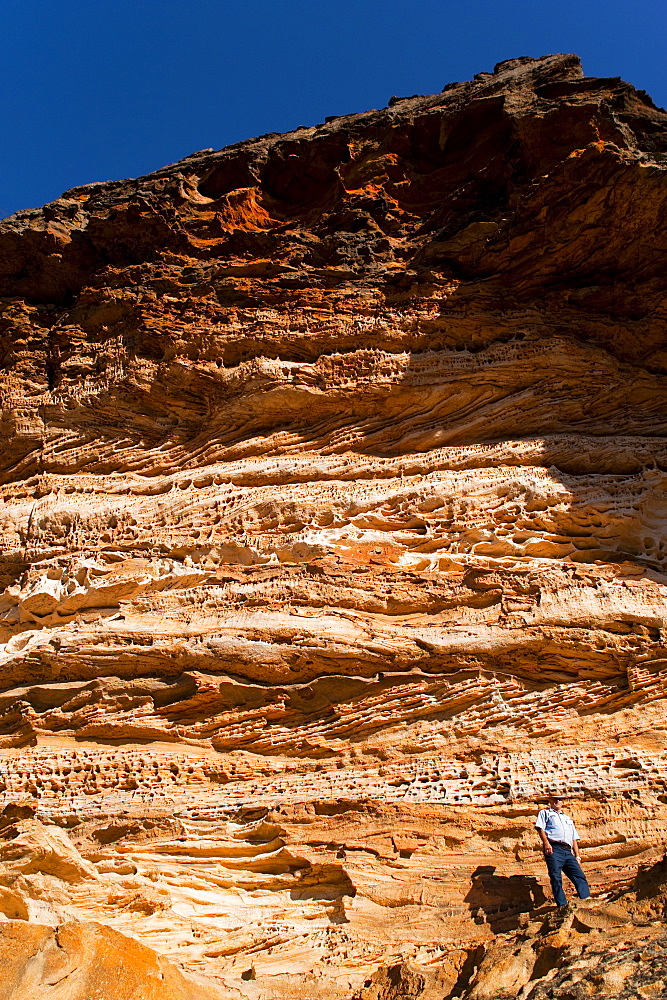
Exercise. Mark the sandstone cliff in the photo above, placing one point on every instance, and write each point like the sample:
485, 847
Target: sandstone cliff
334, 496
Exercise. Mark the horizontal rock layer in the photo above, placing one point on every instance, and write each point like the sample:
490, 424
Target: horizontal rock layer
334, 485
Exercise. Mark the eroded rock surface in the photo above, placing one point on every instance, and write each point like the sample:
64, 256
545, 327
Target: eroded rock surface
333, 514
87, 961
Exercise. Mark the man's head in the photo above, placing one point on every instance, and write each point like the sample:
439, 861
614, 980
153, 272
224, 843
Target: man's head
555, 802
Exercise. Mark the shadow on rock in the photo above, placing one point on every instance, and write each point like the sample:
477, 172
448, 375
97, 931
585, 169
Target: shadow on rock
497, 899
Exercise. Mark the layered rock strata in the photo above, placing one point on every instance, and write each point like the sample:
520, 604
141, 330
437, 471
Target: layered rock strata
333, 537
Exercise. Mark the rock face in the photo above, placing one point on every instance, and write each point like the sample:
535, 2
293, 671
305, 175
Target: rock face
85, 961
334, 496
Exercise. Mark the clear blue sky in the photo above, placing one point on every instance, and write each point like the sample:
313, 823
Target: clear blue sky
100, 89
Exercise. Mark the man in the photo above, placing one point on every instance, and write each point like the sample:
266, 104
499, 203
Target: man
560, 843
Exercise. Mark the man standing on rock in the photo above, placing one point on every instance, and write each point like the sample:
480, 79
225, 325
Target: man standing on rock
560, 843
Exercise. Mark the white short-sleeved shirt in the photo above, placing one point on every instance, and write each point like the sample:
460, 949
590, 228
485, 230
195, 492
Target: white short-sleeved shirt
557, 826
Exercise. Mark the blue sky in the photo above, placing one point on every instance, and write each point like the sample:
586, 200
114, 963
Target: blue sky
104, 89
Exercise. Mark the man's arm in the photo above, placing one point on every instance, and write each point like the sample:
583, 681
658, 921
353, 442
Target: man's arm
546, 846
575, 849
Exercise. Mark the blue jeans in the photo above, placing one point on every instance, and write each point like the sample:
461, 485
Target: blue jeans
563, 860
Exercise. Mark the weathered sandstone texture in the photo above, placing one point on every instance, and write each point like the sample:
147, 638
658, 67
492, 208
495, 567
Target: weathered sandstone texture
333, 506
